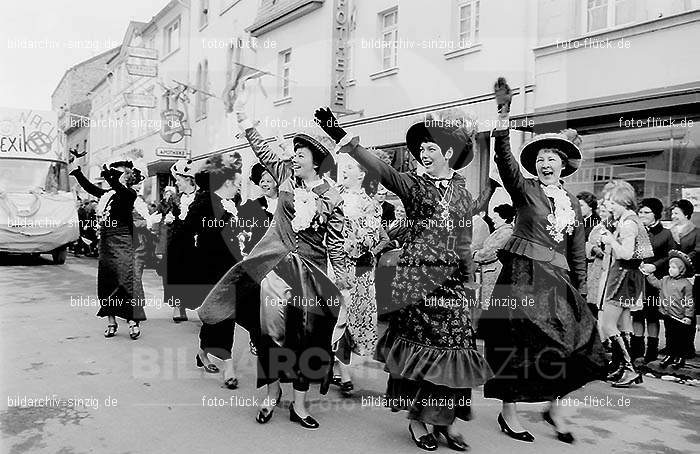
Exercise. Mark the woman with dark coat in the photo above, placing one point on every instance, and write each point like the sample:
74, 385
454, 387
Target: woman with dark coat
211, 222
255, 215
281, 292
118, 287
540, 336
687, 235
662, 242
429, 348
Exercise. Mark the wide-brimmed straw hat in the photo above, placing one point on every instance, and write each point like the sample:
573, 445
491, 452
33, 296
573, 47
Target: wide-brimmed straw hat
319, 151
685, 258
565, 142
183, 167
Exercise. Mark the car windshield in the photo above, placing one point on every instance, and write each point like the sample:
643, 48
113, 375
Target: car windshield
24, 175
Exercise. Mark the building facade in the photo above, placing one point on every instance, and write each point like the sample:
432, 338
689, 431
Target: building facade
625, 75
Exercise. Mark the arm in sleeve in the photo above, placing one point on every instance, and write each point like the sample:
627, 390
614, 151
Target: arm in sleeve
395, 181
482, 202
666, 247
128, 194
508, 167
335, 240
383, 241
89, 187
654, 281
688, 301
278, 168
464, 252
577, 254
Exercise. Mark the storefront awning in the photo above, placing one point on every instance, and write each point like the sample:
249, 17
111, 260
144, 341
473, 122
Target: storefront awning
160, 166
591, 115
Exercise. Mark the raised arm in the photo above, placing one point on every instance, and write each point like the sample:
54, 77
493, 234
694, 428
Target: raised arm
278, 168
508, 167
86, 184
654, 281
112, 179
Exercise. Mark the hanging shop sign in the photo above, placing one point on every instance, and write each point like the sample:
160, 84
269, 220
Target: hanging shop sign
174, 124
166, 152
140, 100
142, 52
339, 56
142, 70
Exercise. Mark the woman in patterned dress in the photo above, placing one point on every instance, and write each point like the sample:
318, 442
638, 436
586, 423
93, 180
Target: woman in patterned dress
429, 348
540, 336
364, 239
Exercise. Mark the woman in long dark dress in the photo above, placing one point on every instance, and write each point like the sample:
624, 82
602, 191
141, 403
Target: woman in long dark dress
255, 215
281, 292
211, 223
540, 336
429, 348
118, 286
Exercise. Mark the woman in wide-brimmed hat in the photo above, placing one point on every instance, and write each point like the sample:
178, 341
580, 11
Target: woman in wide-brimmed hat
429, 348
117, 285
540, 336
281, 292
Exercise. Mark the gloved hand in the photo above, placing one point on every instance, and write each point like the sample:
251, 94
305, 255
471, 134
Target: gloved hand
327, 121
75, 171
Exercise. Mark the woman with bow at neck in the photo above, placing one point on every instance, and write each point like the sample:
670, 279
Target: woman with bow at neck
540, 336
281, 292
117, 283
429, 348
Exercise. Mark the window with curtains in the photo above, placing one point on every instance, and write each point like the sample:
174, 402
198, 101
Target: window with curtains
468, 22
602, 14
285, 65
389, 36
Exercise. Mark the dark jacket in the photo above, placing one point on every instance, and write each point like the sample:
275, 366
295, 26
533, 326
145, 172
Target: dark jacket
690, 244
662, 243
254, 219
676, 296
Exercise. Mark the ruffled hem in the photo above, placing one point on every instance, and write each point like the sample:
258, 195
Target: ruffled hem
454, 368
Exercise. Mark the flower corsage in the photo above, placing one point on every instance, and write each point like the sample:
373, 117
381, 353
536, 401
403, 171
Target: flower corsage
564, 217
305, 210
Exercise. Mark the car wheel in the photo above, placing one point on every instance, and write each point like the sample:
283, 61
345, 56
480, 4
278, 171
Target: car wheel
59, 255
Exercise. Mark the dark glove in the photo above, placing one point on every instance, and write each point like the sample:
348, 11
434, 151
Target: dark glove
109, 173
75, 171
503, 95
327, 121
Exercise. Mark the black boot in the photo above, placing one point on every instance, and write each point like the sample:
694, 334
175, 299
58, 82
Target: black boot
636, 347
652, 349
629, 375
615, 369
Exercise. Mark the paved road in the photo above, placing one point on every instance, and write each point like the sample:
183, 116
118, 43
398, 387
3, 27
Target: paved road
145, 396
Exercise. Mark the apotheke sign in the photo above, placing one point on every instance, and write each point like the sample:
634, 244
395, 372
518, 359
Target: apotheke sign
172, 152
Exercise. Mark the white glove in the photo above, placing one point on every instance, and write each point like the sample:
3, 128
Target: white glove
169, 218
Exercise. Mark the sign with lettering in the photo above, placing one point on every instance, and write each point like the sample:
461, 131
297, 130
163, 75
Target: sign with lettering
173, 152
339, 57
140, 100
142, 70
27, 133
142, 52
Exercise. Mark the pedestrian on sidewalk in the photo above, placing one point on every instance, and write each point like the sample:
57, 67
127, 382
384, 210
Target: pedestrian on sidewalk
429, 348
662, 242
540, 336
677, 306
117, 285
281, 292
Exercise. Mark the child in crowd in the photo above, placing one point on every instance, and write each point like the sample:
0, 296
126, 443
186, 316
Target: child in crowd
676, 305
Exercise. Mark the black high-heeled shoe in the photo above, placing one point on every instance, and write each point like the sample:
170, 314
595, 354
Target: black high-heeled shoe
667, 361
346, 388
307, 423
426, 442
211, 368
265, 415
111, 330
566, 437
521, 436
455, 442
678, 363
134, 331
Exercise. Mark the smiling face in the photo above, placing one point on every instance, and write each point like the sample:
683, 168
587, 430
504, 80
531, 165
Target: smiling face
352, 176
433, 160
677, 216
303, 163
549, 166
646, 216
268, 185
